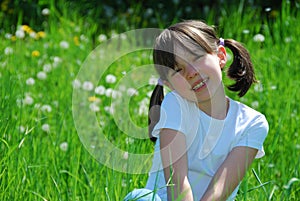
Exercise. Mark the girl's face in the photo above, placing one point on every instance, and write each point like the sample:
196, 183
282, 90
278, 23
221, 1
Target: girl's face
197, 77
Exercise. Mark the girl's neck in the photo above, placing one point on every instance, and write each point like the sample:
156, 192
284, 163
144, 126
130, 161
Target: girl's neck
217, 106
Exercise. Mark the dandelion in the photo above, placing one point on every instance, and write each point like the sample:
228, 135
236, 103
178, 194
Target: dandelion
94, 107
125, 155
100, 90
129, 140
47, 67
246, 31
76, 84
255, 104
273, 87
20, 34
288, 39
30, 81
33, 35
93, 99
259, 38
64, 146
46, 12
109, 92
109, 109
21, 129
41, 34
132, 91
102, 37
35, 53
258, 88
46, 108
56, 61
153, 80
8, 35
28, 100
64, 44
41, 75
110, 79
8, 51
46, 128
143, 109
87, 86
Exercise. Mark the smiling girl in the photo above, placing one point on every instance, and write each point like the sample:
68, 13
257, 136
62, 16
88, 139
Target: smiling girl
205, 141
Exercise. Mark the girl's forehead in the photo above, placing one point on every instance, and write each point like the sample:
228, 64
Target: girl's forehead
187, 51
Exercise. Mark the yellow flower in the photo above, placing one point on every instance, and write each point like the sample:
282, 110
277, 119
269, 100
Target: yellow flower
26, 28
76, 40
93, 99
41, 34
13, 38
35, 53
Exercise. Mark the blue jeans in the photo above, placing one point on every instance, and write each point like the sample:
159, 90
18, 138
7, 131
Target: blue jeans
142, 194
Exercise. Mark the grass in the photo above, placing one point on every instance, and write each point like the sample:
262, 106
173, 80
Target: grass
37, 163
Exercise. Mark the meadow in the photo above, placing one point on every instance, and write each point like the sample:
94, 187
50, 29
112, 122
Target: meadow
60, 126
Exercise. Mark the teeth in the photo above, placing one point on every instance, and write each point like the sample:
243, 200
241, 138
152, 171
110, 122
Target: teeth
199, 85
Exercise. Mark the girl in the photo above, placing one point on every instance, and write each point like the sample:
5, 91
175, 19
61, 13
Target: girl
205, 141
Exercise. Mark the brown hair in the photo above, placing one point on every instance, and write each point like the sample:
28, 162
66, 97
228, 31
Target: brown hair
197, 34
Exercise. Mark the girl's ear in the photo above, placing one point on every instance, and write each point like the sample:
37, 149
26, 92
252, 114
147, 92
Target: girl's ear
222, 56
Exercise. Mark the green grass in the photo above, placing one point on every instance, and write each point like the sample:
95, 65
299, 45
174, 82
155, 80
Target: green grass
34, 165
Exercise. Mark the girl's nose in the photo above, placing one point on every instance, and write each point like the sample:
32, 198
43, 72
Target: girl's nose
191, 72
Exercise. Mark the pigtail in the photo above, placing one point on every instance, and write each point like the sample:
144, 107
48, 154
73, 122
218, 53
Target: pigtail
154, 109
241, 70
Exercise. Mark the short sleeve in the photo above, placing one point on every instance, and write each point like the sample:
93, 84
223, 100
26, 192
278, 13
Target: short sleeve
173, 114
255, 135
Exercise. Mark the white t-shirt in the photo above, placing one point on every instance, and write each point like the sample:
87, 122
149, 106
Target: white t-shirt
208, 140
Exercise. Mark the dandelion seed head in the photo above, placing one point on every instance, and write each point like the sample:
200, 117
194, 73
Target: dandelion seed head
87, 86
246, 31
64, 146
8, 35
94, 107
102, 37
255, 104
132, 91
259, 38
110, 79
20, 34
47, 67
46, 128
21, 129
76, 84
46, 108
153, 80
46, 11
100, 90
8, 51
28, 100
64, 44
125, 155
41, 75
30, 81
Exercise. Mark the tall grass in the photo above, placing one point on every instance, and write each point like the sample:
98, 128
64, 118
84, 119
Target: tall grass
42, 156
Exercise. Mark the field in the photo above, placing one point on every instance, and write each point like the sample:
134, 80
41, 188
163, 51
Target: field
74, 108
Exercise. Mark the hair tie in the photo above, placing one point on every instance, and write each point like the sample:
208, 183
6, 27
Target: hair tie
222, 41
160, 82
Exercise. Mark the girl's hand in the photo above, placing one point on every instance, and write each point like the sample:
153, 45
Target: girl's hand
230, 173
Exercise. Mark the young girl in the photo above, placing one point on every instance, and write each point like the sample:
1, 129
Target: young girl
205, 140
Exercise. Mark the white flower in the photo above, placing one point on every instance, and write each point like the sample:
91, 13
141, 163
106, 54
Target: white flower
64, 44
87, 86
30, 81
94, 107
46, 108
32, 34
100, 90
102, 37
259, 38
132, 91
8, 35
46, 128
20, 34
153, 80
125, 155
76, 84
45, 12
64, 146
47, 67
21, 129
8, 51
110, 78
255, 104
246, 31
41, 75
28, 100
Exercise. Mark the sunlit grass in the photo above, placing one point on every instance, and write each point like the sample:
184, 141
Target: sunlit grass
42, 157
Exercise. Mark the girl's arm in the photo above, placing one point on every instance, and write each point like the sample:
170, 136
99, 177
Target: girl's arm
230, 173
174, 159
